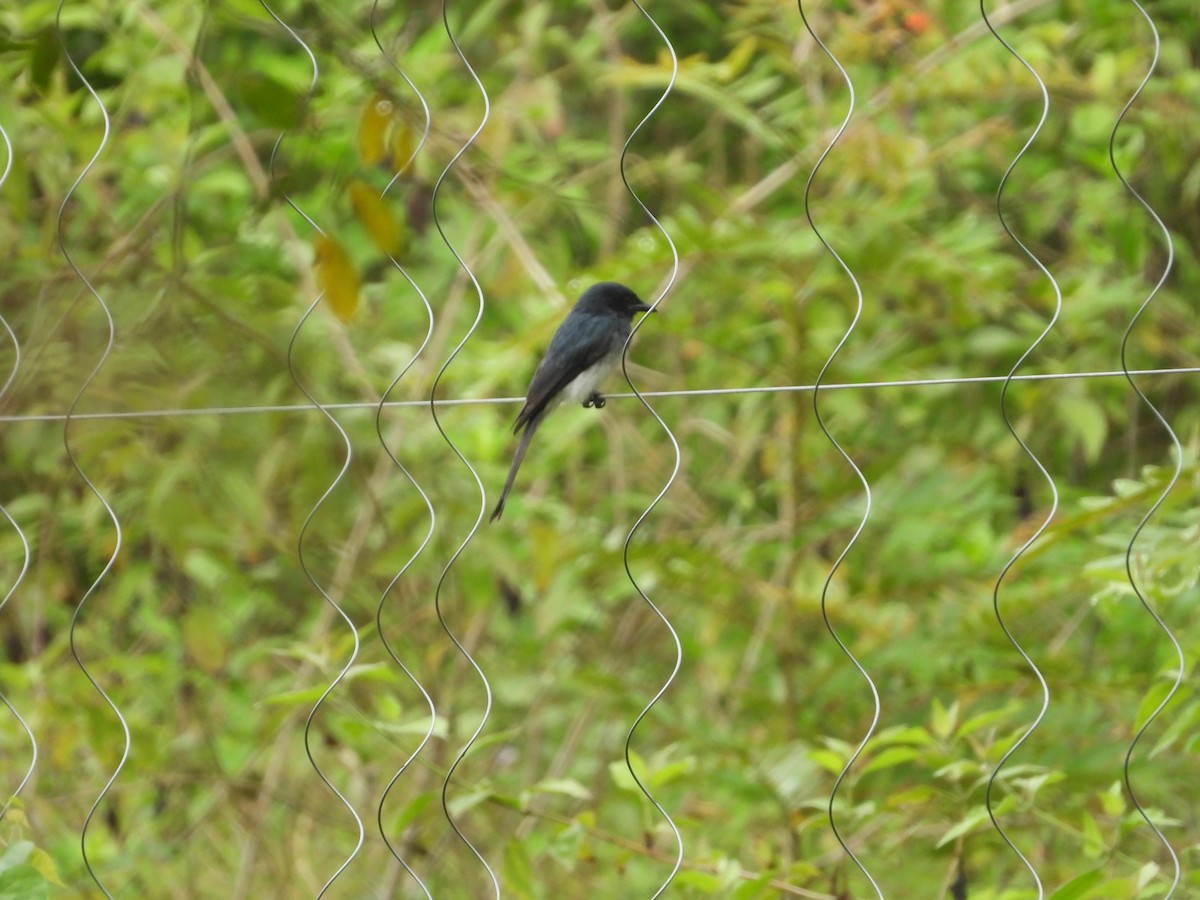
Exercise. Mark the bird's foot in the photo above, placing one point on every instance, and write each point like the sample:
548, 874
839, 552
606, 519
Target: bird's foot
595, 399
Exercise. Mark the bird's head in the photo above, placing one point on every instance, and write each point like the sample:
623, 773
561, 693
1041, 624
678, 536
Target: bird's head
611, 297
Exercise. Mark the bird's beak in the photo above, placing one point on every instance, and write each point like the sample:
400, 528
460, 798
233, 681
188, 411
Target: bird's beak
643, 307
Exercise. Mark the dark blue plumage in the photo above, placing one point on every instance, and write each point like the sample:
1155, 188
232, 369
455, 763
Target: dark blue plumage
582, 353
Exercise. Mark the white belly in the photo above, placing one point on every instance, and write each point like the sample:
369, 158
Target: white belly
588, 381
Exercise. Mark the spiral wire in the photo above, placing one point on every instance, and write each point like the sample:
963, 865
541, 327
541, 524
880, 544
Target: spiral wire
16, 345
295, 375
77, 615
816, 394
437, 597
1008, 423
1177, 682
383, 400
675, 449
834, 807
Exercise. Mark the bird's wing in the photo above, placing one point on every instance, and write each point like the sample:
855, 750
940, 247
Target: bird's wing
577, 346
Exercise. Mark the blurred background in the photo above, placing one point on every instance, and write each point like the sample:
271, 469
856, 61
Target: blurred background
214, 644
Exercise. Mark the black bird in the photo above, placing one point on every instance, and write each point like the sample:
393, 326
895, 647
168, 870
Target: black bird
582, 353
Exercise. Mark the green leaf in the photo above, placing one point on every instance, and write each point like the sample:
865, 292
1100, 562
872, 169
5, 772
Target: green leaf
518, 870
306, 696
827, 760
974, 819
567, 786
1087, 420
23, 883
1146, 874
460, 803
412, 810
1113, 800
982, 721
944, 719
705, 882
1080, 886
621, 777
1153, 697
721, 100
755, 888
1094, 844
669, 772
18, 852
892, 756
43, 58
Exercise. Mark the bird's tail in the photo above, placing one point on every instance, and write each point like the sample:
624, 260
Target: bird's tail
516, 464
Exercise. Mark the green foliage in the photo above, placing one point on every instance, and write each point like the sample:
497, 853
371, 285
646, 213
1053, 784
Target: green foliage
215, 645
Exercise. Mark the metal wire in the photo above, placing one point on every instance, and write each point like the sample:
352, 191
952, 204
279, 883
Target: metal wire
817, 389
361, 405
87, 382
991, 782
292, 371
437, 597
1178, 448
381, 406
846, 456
674, 446
16, 345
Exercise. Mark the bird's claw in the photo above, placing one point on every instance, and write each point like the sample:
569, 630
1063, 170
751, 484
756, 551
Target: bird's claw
596, 399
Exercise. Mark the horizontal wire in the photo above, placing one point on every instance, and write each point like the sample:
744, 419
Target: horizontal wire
482, 401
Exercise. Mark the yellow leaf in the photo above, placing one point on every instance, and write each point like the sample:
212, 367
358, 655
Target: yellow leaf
403, 142
336, 277
738, 59
44, 863
377, 218
373, 128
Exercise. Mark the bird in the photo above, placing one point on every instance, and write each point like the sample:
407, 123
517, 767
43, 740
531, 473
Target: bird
583, 352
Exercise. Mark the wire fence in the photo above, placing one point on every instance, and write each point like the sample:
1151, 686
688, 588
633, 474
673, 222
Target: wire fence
229, 732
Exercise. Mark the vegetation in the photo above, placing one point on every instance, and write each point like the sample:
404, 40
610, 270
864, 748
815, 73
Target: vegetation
212, 639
